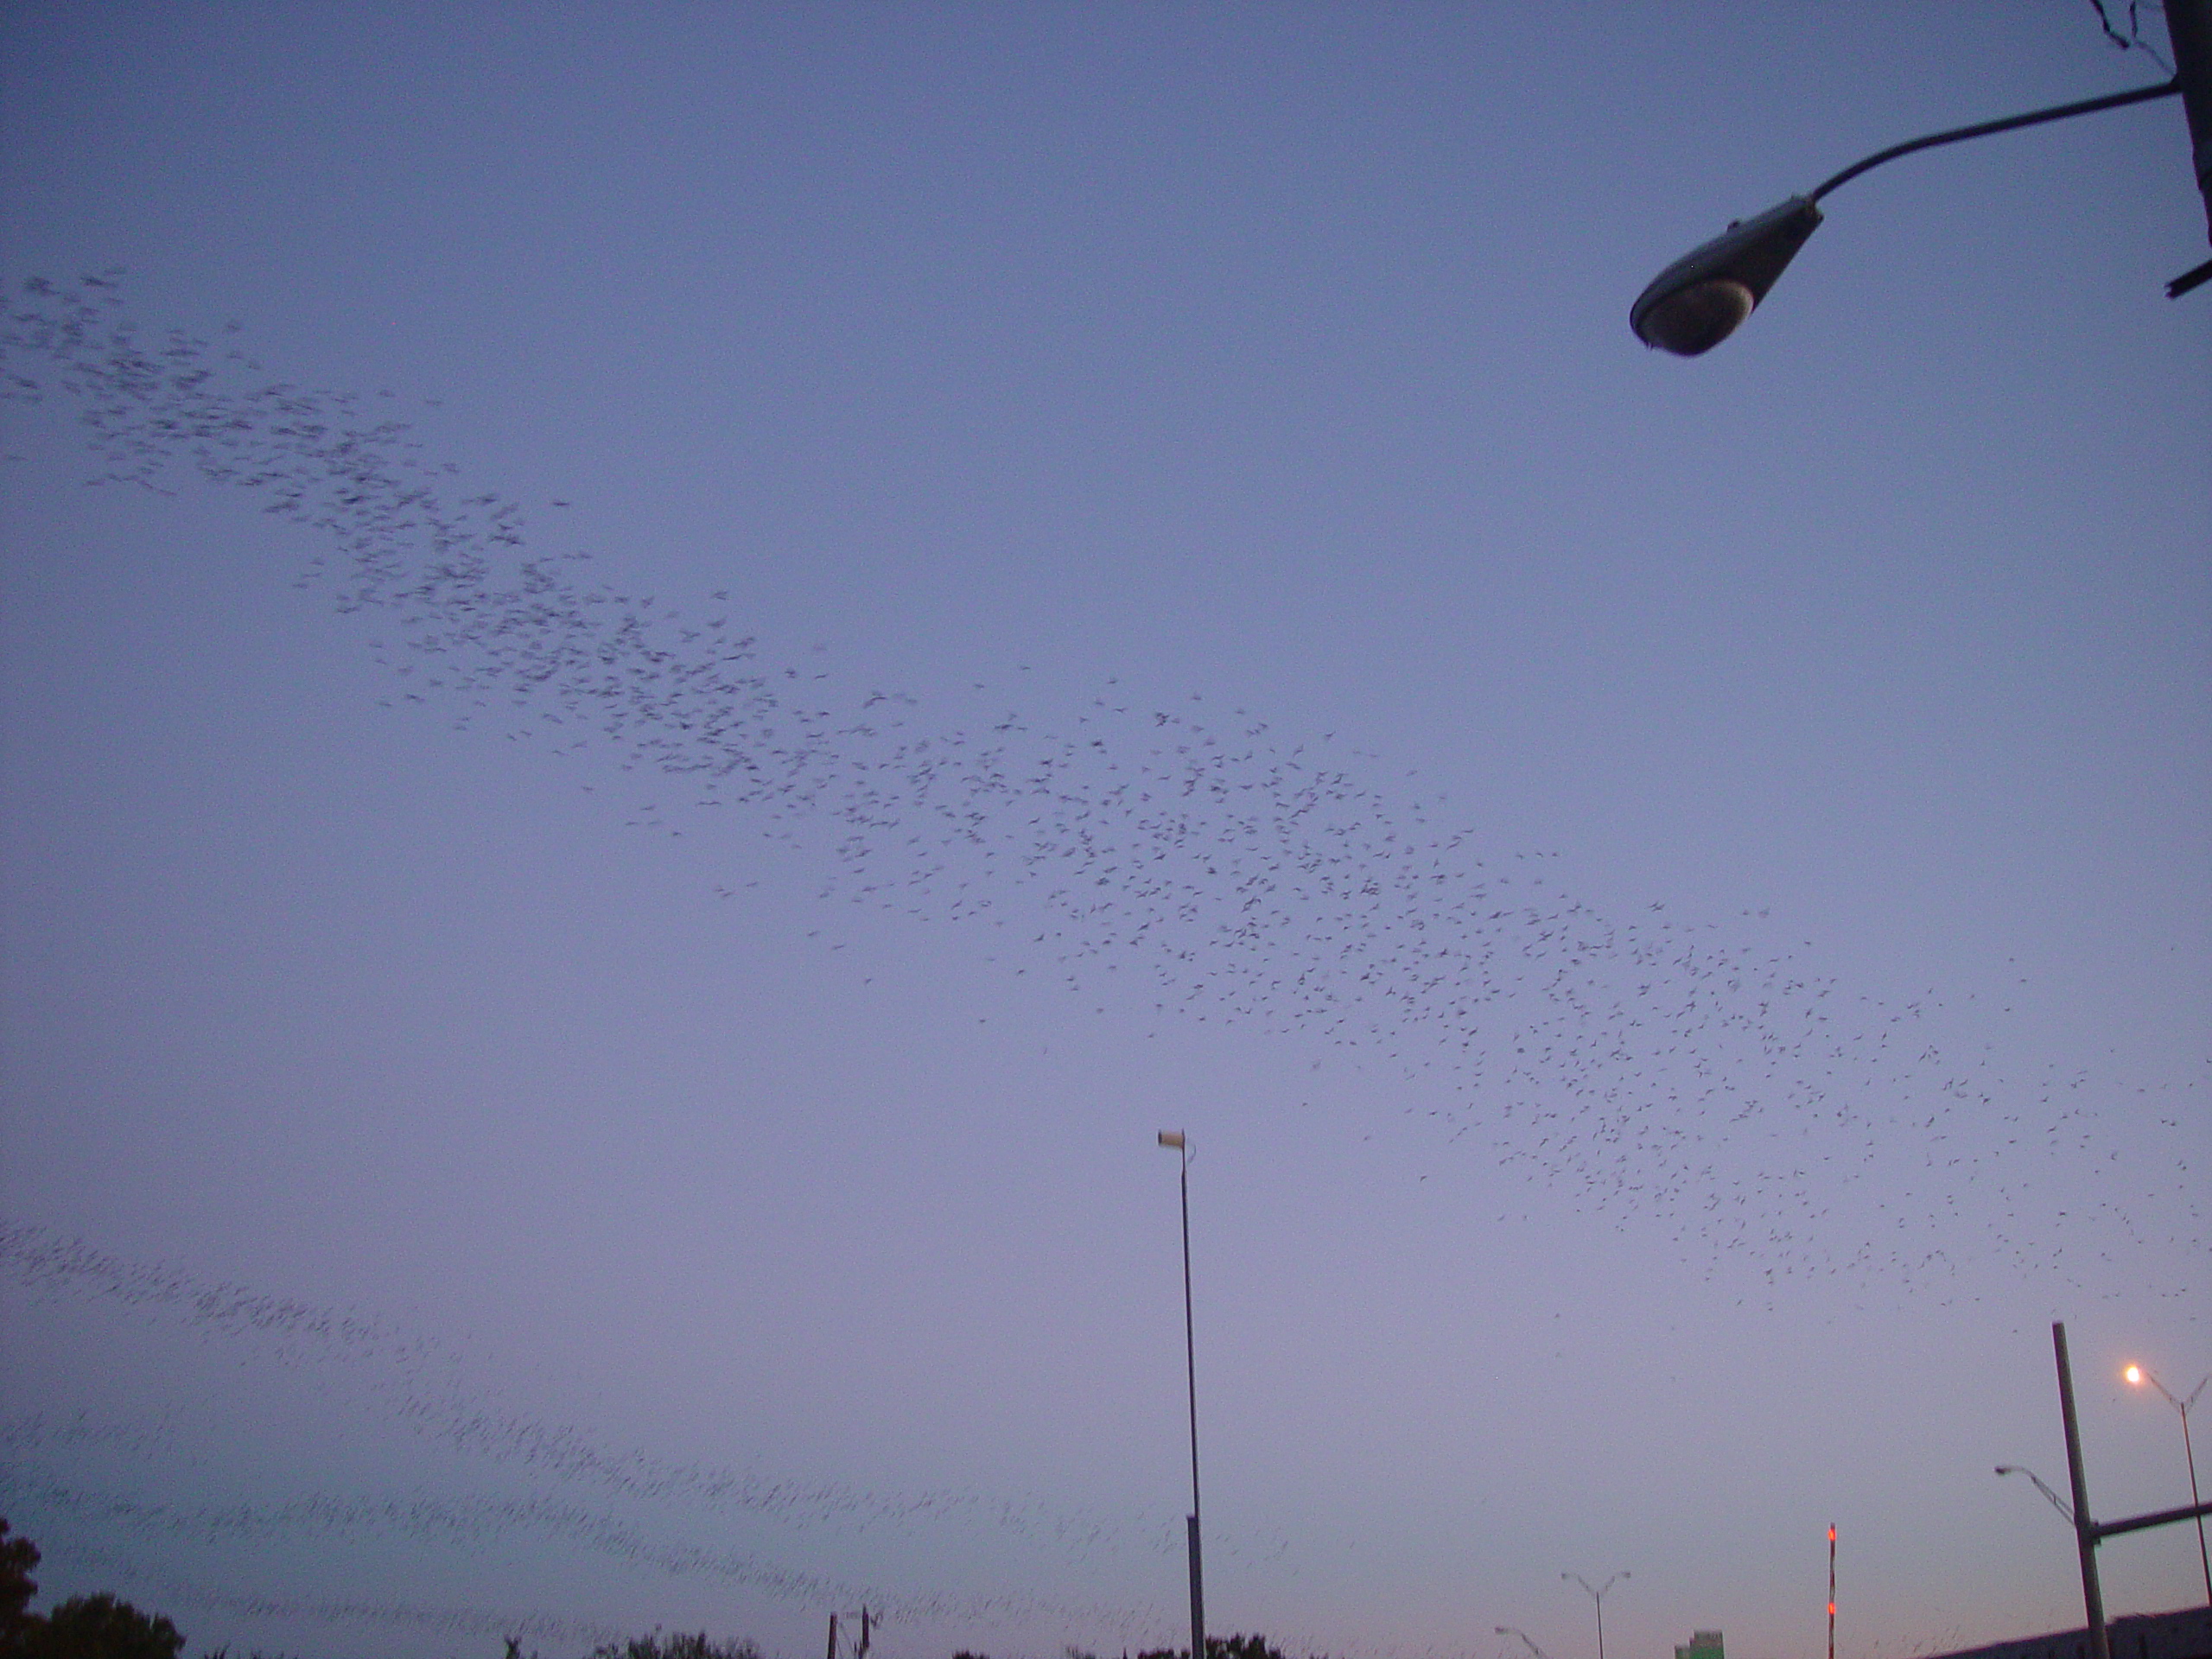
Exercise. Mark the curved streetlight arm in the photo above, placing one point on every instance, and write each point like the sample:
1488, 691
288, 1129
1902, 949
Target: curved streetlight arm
1597, 1593
2057, 1502
1983, 129
2181, 1406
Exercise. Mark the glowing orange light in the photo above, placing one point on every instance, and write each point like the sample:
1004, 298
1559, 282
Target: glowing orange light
2134, 1374
1831, 1610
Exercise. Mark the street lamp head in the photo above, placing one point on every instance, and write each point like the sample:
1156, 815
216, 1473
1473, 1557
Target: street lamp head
2134, 1374
1172, 1138
1702, 298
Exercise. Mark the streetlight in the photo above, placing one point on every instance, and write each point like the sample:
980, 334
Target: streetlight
2138, 1377
1174, 1140
1598, 1595
1701, 299
2088, 1532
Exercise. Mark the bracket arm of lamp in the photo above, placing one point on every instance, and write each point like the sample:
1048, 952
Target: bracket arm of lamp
1704, 297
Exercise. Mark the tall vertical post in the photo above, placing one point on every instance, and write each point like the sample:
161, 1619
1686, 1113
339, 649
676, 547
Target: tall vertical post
1176, 1140
2189, 26
1831, 1590
2085, 1530
2204, 1560
1190, 1371
1597, 1593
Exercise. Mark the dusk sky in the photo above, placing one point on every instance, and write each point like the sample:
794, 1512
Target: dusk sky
726, 651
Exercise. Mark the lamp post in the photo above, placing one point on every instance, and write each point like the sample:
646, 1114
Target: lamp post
2138, 1376
1174, 1140
1598, 1595
1702, 298
2088, 1533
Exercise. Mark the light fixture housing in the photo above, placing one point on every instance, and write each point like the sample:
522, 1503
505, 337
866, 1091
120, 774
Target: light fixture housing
1702, 298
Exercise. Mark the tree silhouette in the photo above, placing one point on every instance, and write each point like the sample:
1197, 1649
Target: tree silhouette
676, 1646
101, 1627
83, 1627
1224, 1647
17, 1557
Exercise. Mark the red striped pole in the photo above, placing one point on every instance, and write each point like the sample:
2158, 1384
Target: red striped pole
1831, 1591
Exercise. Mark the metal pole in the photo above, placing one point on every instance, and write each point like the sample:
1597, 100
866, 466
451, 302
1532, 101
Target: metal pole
2157, 1518
2085, 1530
1597, 1593
1831, 1591
2205, 1560
1191, 1370
2189, 26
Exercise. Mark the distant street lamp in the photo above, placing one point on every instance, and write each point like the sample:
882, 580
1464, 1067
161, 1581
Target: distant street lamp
1507, 1629
1598, 1595
1174, 1140
2138, 1377
1704, 297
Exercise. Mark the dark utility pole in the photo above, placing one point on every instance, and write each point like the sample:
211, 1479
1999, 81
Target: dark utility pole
2085, 1530
1173, 1138
1191, 1370
2189, 26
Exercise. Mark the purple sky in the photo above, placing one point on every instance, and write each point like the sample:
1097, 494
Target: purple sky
1670, 898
